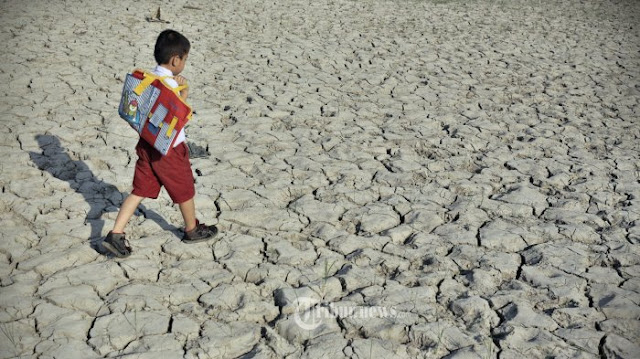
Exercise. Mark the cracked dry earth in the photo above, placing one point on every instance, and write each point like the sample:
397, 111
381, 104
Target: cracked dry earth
462, 176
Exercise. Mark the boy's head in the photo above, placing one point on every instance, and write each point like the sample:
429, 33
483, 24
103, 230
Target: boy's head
171, 50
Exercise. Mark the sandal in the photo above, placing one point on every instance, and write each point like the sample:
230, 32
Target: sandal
117, 244
202, 232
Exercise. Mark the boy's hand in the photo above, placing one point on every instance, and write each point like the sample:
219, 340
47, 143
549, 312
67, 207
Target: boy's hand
181, 80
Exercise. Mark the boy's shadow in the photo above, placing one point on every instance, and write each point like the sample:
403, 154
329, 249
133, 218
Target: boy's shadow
102, 197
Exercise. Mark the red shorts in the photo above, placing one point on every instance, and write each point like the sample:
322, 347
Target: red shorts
173, 171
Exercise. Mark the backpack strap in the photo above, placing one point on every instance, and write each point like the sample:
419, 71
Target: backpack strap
175, 90
148, 79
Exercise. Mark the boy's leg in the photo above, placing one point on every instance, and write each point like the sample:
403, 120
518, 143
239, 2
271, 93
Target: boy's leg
188, 209
126, 211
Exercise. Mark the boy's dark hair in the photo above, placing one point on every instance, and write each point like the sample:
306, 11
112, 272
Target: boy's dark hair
170, 43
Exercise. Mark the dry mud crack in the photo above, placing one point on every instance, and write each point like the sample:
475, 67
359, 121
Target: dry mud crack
394, 179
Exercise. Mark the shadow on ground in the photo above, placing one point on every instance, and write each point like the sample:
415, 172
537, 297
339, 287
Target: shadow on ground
102, 197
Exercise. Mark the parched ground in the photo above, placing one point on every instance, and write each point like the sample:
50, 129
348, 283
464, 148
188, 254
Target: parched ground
393, 179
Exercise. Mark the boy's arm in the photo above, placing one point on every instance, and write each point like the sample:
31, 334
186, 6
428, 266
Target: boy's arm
185, 91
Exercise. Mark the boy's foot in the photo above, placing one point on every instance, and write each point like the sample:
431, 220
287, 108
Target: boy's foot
117, 244
202, 232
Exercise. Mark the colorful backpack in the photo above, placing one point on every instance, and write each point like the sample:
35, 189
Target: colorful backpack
154, 109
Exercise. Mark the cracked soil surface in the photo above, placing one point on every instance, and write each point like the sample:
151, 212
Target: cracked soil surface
434, 178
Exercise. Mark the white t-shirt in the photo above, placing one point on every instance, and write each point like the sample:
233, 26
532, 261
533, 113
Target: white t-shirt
163, 71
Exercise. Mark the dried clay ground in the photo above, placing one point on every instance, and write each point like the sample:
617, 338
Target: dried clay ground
392, 179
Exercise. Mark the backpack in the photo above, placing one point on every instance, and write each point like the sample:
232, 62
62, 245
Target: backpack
154, 109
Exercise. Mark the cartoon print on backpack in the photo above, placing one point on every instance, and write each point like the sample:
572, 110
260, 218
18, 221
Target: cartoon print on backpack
130, 110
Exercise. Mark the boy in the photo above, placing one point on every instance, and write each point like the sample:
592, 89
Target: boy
153, 170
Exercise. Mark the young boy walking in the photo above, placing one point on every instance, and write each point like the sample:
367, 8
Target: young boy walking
153, 170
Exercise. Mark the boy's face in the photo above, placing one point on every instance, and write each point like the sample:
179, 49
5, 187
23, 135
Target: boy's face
179, 63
